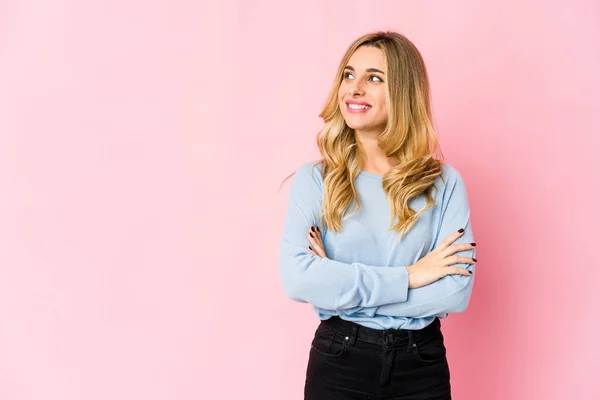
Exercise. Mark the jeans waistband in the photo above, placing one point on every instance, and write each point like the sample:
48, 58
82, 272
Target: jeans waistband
353, 331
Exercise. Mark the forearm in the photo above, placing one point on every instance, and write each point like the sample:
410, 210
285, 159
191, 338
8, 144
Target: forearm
334, 285
450, 294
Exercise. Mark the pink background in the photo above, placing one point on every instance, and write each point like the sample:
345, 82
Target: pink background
142, 145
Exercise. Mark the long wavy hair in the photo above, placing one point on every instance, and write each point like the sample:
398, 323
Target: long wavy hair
409, 137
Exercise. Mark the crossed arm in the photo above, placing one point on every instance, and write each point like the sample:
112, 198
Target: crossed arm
356, 287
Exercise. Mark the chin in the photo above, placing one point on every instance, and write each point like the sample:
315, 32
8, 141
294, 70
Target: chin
359, 126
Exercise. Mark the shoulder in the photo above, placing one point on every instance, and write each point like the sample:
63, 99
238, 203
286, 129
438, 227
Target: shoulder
308, 167
310, 171
306, 179
451, 175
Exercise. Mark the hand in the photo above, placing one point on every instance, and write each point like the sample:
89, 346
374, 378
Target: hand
434, 265
316, 243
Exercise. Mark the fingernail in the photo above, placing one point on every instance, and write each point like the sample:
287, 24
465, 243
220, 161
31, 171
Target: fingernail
470, 272
461, 230
473, 244
313, 250
312, 228
311, 235
475, 259
318, 229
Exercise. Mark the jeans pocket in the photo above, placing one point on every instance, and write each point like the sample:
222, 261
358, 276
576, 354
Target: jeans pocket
430, 350
329, 343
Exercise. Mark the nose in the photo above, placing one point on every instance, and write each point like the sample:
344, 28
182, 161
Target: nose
356, 88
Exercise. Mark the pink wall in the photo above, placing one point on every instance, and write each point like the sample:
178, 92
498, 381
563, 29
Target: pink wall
142, 145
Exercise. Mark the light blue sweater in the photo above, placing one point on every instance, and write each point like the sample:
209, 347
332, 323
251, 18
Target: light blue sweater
364, 277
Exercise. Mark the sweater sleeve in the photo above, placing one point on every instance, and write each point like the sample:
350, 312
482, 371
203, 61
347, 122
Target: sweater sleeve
450, 294
323, 282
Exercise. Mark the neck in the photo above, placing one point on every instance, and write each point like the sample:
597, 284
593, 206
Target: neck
373, 157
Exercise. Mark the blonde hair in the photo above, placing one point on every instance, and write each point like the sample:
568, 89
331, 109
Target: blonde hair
408, 137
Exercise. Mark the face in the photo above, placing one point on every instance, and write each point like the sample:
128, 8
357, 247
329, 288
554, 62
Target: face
362, 94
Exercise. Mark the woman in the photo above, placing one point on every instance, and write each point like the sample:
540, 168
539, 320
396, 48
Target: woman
377, 235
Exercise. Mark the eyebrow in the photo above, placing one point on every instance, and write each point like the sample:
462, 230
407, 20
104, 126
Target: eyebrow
368, 70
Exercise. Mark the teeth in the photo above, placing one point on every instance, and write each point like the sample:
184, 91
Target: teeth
358, 107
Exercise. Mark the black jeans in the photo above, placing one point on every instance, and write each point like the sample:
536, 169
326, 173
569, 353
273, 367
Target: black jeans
350, 361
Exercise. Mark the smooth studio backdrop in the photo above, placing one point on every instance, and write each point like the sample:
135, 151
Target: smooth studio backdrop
142, 145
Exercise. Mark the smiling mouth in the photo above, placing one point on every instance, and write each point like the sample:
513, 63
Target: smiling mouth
357, 107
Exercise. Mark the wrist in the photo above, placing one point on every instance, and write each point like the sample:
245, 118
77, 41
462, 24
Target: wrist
409, 269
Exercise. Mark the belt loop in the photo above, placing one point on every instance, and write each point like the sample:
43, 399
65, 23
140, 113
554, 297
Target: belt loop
388, 338
411, 341
351, 338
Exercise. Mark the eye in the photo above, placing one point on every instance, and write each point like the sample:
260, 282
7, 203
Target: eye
373, 78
